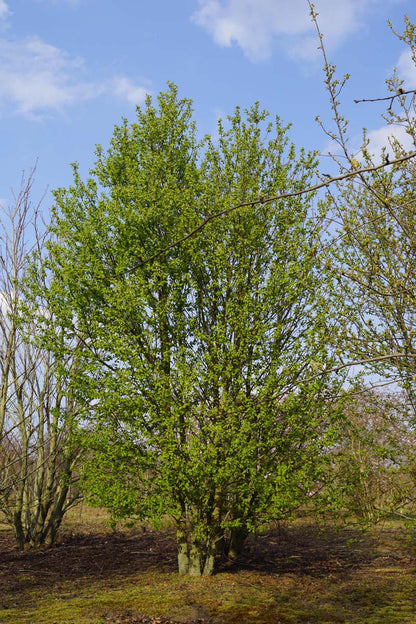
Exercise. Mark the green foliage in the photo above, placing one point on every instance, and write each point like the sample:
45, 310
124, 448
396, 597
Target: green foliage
373, 457
200, 380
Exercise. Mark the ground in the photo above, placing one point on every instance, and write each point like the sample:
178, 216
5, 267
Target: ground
299, 573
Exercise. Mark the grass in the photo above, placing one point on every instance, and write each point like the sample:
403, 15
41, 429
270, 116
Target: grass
229, 599
302, 574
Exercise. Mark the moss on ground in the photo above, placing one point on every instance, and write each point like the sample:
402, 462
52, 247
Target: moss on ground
305, 575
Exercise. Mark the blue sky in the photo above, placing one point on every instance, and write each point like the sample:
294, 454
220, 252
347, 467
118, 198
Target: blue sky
71, 69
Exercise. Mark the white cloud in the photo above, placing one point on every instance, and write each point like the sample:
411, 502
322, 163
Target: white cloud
383, 137
37, 79
4, 9
379, 139
253, 24
406, 68
124, 88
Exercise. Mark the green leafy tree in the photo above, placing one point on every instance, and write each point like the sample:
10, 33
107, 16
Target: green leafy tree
201, 379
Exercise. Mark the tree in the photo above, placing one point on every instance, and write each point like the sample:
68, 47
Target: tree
201, 396
373, 459
37, 450
374, 263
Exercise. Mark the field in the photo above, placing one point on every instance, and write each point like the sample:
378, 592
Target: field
300, 573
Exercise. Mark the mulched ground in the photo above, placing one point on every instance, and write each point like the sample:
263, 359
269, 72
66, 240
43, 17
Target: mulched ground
79, 557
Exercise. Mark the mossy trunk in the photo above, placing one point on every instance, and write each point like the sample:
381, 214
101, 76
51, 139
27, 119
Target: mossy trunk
183, 552
195, 557
209, 562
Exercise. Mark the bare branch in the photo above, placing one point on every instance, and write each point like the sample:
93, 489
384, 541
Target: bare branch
399, 93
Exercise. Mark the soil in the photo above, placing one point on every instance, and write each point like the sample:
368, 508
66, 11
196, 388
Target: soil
79, 557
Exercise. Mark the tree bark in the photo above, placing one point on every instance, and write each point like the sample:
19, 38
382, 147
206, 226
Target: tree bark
195, 558
183, 554
209, 559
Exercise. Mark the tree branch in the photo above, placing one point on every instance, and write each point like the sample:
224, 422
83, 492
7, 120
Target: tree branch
261, 200
389, 97
377, 358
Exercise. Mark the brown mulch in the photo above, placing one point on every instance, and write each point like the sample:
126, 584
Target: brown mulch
83, 556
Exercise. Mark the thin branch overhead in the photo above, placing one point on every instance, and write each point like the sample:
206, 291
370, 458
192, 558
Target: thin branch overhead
361, 362
399, 93
263, 200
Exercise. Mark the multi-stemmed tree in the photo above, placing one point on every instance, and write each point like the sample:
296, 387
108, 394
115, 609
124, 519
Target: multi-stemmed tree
37, 448
202, 399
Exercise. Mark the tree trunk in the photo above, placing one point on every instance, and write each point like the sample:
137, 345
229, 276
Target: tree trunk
195, 558
220, 545
18, 530
183, 554
209, 559
237, 539
196, 555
